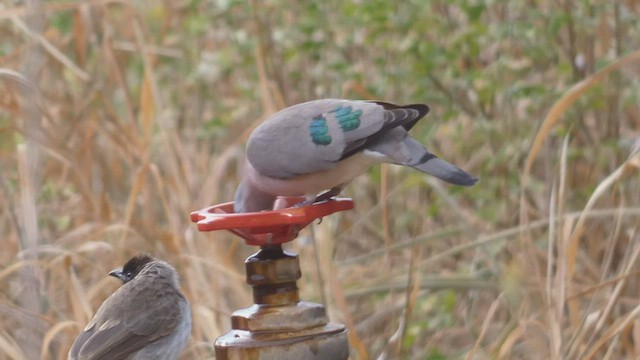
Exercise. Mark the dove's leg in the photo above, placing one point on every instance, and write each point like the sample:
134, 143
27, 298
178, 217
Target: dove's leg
334, 191
314, 199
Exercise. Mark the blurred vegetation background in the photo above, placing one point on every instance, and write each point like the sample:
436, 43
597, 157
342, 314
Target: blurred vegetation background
118, 118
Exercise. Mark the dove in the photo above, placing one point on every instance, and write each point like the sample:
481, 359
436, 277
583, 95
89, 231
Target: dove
146, 318
314, 149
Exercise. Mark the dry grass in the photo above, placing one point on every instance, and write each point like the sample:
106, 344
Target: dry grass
118, 118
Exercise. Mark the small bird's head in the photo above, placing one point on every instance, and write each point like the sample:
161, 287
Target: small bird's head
132, 267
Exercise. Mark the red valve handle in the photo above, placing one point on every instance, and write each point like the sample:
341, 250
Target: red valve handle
267, 227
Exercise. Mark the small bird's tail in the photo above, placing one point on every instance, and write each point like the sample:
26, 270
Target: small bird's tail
445, 171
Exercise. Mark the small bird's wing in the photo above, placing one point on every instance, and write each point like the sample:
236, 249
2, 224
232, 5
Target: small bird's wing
80, 340
144, 318
315, 135
113, 341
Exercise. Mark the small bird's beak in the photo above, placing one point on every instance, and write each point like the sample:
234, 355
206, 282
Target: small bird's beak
117, 273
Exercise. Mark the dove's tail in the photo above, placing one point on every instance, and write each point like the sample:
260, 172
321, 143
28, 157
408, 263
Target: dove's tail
444, 170
427, 162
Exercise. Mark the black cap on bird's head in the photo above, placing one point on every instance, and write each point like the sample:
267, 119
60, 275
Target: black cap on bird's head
132, 267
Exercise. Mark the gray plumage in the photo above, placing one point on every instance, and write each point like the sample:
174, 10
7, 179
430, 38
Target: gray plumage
321, 145
146, 318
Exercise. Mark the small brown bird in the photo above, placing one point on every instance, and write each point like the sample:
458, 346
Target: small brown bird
146, 318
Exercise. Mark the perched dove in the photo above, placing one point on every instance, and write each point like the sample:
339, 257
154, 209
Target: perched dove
321, 145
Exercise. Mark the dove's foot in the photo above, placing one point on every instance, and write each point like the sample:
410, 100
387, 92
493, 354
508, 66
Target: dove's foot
327, 195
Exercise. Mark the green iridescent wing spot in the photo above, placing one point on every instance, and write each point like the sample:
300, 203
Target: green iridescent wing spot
319, 131
348, 119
